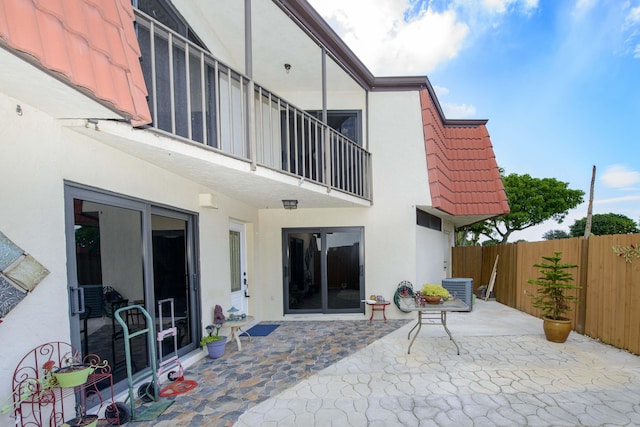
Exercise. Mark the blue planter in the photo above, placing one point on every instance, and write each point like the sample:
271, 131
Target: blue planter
216, 348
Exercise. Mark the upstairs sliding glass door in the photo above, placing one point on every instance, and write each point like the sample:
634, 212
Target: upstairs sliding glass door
322, 270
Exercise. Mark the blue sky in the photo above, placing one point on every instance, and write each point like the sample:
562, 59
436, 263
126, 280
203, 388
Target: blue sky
559, 81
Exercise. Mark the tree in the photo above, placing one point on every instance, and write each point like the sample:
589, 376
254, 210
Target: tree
602, 224
555, 234
470, 234
532, 201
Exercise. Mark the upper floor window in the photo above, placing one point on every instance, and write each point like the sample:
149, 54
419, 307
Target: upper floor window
165, 13
347, 122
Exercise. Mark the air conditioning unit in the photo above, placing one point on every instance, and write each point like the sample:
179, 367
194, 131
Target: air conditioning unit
461, 288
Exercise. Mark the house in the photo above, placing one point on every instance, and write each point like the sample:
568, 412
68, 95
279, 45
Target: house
198, 152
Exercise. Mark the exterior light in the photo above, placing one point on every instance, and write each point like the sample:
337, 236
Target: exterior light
290, 204
287, 68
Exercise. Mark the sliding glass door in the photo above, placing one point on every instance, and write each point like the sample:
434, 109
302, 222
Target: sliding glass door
123, 252
322, 270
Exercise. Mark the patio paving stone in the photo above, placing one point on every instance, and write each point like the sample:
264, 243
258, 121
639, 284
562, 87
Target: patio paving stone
352, 373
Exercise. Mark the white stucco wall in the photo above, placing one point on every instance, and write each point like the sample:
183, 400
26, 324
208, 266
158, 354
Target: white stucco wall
38, 156
392, 243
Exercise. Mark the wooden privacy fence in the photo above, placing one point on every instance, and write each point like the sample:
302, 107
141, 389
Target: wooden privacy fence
609, 308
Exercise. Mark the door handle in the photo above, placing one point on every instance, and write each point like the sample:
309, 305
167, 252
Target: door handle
77, 300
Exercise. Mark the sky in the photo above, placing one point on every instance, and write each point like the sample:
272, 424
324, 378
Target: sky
558, 80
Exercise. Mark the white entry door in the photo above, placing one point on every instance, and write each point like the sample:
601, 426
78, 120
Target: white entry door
239, 283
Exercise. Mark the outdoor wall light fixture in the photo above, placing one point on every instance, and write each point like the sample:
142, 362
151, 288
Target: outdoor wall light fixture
290, 204
287, 68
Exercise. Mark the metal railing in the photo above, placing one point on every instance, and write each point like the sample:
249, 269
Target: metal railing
195, 96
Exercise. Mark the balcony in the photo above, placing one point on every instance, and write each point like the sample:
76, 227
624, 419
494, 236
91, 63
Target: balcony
192, 95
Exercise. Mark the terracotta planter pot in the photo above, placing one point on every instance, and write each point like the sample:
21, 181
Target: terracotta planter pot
556, 330
432, 299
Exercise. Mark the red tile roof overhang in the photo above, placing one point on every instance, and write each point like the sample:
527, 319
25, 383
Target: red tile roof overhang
464, 178
89, 44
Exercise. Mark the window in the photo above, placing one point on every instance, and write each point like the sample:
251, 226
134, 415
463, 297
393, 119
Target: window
427, 220
347, 122
164, 12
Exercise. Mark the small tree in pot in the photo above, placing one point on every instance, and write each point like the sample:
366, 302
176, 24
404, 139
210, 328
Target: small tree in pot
552, 297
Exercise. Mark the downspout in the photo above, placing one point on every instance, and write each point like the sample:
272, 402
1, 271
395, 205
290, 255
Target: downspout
369, 173
251, 106
327, 145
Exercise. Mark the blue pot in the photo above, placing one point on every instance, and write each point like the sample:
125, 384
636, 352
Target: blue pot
216, 348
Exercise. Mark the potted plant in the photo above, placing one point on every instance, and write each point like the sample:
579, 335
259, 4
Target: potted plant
432, 294
214, 342
552, 297
75, 373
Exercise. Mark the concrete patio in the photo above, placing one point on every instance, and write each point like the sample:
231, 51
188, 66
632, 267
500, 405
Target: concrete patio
507, 374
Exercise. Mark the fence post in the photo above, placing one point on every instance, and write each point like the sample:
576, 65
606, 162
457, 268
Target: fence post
582, 292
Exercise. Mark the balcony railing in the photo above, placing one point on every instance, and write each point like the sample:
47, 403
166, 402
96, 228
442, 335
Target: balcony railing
195, 96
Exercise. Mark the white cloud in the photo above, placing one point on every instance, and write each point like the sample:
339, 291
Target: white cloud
405, 37
634, 16
617, 176
497, 6
583, 6
458, 111
617, 200
389, 44
502, 6
631, 31
440, 90
451, 110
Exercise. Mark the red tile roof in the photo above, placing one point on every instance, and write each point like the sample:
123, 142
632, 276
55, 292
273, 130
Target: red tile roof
91, 43
463, 174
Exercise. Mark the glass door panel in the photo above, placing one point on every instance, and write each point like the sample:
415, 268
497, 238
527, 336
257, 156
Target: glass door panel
109, 266
239, 285
305, 277
171, 280
343, 270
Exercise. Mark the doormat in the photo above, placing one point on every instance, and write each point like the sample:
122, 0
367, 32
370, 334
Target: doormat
153, 410
260, 330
